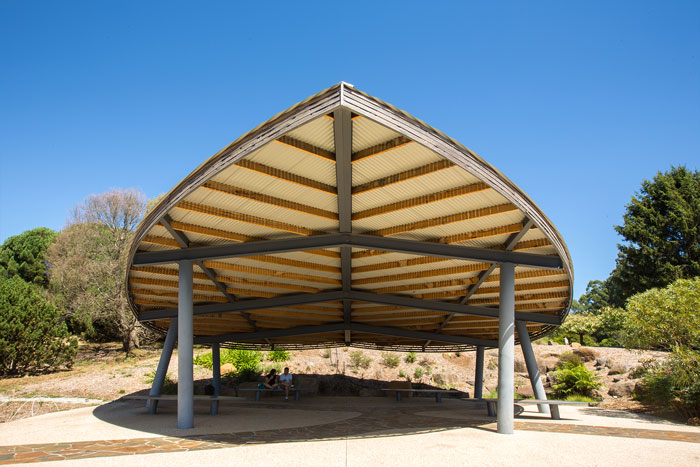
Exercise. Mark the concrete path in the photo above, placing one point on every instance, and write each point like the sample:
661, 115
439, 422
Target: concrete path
344, 431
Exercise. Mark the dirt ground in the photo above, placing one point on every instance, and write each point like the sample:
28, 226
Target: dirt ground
102, 371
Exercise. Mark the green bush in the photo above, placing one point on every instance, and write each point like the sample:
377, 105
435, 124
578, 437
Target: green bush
169, 386
674, 383
246, 362
610, 342
569, 358
205, 360
574, 378
359, 359
278, 356
418, 373
275, 366
410, 357
33, 338
391, 359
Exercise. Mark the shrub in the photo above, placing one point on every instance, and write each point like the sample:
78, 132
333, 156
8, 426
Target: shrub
574, 378
402, 374
578, 398
410, 357
205, 360
33, 338
569, 358
169, 386
390, 359
327, 353
278, 356
418, 373
674, 383
359, 360
275, 366
610, 342
247, 363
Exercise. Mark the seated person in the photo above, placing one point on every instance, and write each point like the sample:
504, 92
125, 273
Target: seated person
270, 381
285, 382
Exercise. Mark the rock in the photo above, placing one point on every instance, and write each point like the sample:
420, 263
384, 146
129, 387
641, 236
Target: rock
575, 345
621, 389
601, 361
695, 421
525, 390
227, 368
616, 370
520, 366
586, 354
616, 380
548, 364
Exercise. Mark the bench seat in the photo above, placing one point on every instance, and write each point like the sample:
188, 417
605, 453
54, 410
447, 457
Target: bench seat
438, 392
152, 401
492, 405
259, 391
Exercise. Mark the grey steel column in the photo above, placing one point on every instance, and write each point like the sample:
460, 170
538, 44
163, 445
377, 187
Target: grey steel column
185, 371
163, 364
532, 370
216, 375
506, 344
479, 373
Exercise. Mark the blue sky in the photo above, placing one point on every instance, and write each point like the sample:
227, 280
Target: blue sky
576, 102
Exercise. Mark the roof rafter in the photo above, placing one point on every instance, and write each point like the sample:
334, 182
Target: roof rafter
287, 176
400, 177
393, 143
306, 147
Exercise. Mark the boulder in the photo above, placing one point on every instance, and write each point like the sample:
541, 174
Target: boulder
585, 353
621, 389
227, 368
547, 364
525, 390
519, 365
308, 384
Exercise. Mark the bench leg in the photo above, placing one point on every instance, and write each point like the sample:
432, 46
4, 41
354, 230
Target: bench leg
491, 409
398, 396
257, 396
296, 395
554, 409
438, 397
214, 409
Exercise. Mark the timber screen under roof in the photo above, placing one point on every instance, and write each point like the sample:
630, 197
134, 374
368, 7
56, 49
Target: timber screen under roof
345, 221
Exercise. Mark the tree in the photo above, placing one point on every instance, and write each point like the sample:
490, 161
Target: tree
88, 262
661, 232
664, 318
595, 298
33, 337
580, 324
23, 255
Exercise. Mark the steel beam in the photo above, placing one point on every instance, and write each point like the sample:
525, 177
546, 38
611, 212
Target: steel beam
420, 335
479, 373
271, 333
185, 369
352, 240
533, 370
342, 133
506, 343
216, 375
247, 305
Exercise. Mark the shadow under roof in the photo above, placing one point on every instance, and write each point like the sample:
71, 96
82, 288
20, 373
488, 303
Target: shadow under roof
345, 221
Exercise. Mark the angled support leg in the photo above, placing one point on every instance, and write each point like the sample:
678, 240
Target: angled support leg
163, 364
532, 370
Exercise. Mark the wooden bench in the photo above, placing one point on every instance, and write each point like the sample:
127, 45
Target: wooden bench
152, 401
492, 405
438, 392
259, 391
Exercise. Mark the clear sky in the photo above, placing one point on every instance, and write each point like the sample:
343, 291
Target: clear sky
576, 102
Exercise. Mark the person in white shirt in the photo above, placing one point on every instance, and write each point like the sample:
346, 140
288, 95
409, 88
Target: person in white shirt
285, 382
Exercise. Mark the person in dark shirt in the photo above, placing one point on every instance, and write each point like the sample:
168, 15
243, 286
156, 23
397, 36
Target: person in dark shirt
270, 380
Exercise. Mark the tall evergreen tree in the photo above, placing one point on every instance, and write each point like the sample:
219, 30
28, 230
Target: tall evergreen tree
661, 232
23, 255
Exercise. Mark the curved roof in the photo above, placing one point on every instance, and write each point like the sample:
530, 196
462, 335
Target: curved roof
346, 221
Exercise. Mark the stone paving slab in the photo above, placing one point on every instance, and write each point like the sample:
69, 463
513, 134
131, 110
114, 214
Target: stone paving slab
373, 422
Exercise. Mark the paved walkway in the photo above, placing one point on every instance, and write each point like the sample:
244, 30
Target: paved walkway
353, 420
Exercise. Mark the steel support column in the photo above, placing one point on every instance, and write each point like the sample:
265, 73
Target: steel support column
185, 376
216, 375
163, 364
506, 344
479, 373
532, 369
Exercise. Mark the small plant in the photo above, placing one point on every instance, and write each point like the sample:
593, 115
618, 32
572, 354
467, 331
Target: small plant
418, 373
275, 366
390, 359
492, 364
278, 356
402, 374
569, 358
493, 394
578, 398
439, 380
574, 378
327, 353
410, 357
205, 360
359, 359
